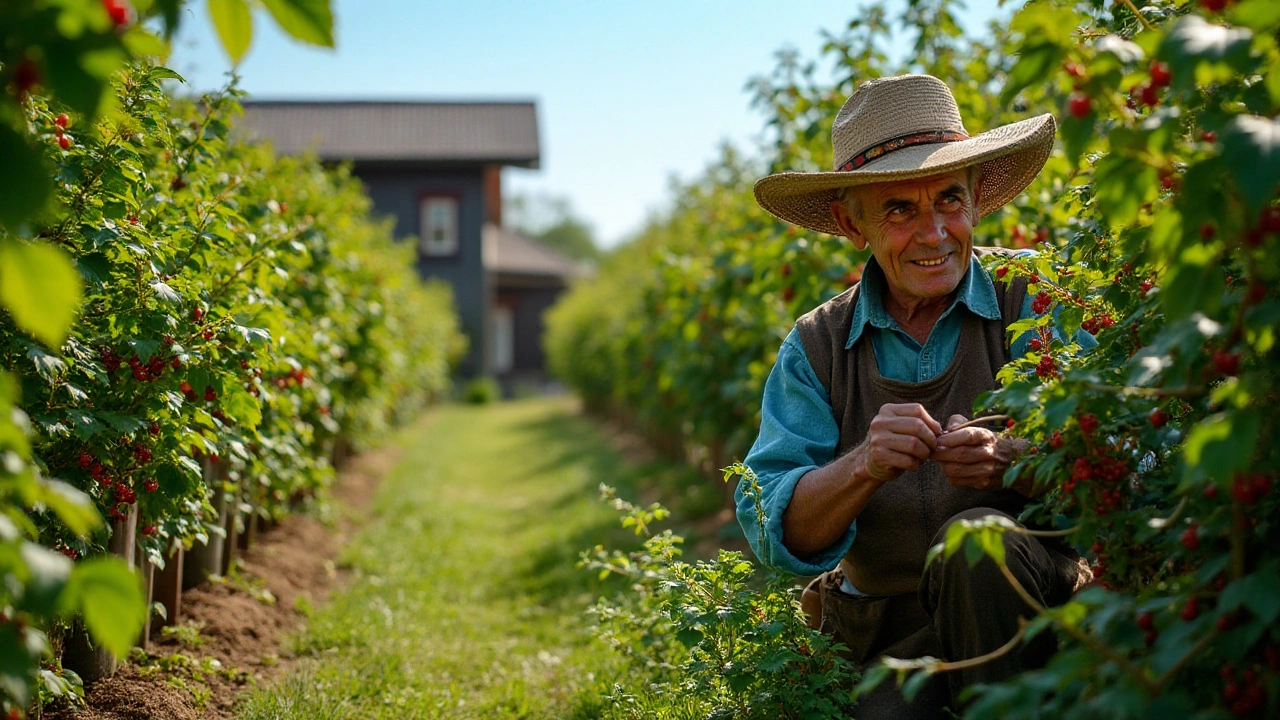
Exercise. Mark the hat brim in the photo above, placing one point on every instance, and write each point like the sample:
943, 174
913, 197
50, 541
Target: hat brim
1011, 156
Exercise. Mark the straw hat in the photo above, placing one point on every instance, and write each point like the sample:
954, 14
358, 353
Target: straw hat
903, 127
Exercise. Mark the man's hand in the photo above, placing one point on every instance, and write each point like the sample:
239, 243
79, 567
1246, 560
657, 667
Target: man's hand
901, 437
975, 457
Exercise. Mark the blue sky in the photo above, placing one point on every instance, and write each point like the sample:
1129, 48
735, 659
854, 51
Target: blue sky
628, 93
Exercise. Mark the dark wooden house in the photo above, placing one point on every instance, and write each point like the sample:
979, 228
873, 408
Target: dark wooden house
436, 167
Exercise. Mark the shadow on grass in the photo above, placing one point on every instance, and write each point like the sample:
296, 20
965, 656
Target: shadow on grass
549, 572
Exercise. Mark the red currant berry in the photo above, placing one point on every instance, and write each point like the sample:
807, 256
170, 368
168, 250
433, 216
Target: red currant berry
1079, 105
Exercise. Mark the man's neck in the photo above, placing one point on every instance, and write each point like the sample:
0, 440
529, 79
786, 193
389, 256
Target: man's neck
917, 316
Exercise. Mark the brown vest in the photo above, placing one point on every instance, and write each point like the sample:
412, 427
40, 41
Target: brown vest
895, 528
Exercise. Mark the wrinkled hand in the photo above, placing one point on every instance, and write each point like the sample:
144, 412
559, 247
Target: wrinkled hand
901, 437
974, 457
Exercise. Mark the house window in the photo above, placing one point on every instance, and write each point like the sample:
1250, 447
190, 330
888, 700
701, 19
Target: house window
438, 232
503, 340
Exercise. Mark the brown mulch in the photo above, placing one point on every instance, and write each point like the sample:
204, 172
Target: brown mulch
237, 627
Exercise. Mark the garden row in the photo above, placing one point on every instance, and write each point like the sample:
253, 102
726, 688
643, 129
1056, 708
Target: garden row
1158, 230
197, 332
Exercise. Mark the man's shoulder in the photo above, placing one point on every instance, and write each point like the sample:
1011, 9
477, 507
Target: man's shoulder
830, 315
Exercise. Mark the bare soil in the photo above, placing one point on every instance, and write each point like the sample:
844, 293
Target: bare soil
239, 626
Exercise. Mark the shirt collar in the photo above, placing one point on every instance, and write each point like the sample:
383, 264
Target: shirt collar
975, 291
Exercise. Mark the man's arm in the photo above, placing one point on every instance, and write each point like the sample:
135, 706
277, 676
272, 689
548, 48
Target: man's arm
826, 501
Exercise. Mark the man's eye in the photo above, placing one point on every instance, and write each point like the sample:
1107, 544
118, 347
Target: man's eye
951, 200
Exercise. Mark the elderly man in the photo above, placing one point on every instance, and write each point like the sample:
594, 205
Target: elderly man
860, 464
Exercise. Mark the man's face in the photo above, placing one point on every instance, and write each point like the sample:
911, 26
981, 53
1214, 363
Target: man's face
920, 231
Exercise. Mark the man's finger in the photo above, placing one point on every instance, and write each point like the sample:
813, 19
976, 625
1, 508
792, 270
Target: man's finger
911, 427
967, 470
915, 410
955, 420
897, 460
912, 445
965, 436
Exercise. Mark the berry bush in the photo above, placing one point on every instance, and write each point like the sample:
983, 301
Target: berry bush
1157, 229
188, 317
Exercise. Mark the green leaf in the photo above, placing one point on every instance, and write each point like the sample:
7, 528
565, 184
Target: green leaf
41, 289
1260, 592
1223, 443
1260, 15
108, 596
25, 184
166, 293
74, 508
123, 423
48, 366
78, 74
164, 73
48, 571
310, 21
1194, 40
1123, 184
1251, 148
234, 23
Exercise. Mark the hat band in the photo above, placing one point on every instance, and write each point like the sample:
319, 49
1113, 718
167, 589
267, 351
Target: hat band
902, 141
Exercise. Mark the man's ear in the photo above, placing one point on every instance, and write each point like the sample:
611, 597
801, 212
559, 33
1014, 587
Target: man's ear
844, 221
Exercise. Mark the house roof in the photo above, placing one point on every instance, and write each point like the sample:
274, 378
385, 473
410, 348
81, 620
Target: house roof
482, 132
508, 251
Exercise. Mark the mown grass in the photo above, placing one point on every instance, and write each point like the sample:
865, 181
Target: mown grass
465, 601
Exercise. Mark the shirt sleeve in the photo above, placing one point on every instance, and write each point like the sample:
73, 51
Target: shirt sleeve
798, 433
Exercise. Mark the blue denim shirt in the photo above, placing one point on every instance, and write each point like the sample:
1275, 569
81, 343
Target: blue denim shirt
798, 431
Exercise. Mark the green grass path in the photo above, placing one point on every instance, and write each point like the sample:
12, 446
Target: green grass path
465, 601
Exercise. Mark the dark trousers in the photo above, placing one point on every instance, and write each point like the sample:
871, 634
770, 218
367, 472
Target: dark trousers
960, 612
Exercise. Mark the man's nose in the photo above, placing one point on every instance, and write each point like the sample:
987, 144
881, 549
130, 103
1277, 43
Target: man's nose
933, 227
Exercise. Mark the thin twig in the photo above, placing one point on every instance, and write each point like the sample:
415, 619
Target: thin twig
1004, 649
1134, 9
1170, 674
979, 421
1162, 523
1094, 644
1047, 533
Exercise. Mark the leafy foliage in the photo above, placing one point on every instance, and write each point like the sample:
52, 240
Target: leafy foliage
708, 644
235, 321
1157, 226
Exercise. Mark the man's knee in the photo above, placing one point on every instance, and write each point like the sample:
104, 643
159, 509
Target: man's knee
979, 582
970, 514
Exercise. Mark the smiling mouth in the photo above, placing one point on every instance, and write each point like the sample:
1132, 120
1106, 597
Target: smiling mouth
932, 263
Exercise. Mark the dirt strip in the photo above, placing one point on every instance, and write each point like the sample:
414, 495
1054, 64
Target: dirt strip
238, 624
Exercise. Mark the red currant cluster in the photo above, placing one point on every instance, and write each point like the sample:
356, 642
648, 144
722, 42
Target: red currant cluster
149, 371
1040, 302
1148, 94
118, 11
1047, 369
60, 131
1243, 693
1248, 489
1094, 324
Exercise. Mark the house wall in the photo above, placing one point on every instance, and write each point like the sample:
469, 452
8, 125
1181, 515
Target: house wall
397, 191
529, 298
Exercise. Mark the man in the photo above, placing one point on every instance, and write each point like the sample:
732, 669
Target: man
859, 456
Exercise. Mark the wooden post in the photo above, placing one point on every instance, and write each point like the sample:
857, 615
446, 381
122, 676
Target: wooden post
79, 654
231, 544
167, 590
148, 572
205, 560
